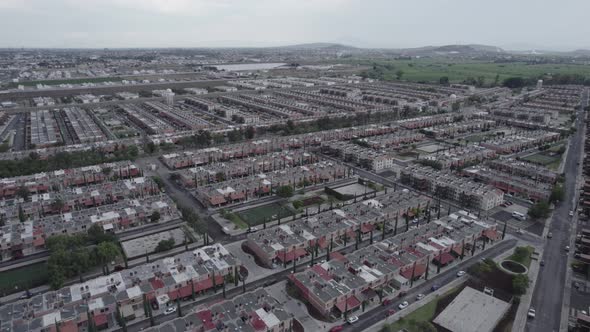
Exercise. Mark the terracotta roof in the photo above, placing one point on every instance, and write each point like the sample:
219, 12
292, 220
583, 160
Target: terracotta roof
445, 258
419, 270
352, 301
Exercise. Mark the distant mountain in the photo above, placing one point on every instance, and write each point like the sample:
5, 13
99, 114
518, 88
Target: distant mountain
325, 46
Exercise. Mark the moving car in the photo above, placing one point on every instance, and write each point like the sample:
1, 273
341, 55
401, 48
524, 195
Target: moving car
419, 297
542, 263
337, 328
352, 319
532, 313
571, 214
403, 305
549, 235
170, 310
567, 248
390, 312
460, 273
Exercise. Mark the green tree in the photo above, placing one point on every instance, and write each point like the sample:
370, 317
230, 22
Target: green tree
155, 217
250, 132
106, 252
165, 245
21, 214
444, 80
539, 210
520, 283
23, 192
219, 176
285, 191
557, 194
399, 74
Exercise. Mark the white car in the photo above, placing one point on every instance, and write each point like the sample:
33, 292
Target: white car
567, 248
571, 213
403, 305
460, 273
532, 313
352, 319
419, 297
170, 310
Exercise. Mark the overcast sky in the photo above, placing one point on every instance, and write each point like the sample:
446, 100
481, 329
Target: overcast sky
513, 24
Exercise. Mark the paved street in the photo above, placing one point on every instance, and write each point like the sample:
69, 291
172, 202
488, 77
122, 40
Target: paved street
377, 314
548, 295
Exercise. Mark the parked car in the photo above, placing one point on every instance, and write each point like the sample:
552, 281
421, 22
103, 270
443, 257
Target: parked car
549, 235
170, 310
520, 231
434, 287
403, 305
542, 263
571, 214
390, 312
352, 319
337, 328
567, 248
419, 297
402, 294
532, 313
460, 273
386, 302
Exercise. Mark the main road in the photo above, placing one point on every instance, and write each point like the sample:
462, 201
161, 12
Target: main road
548, 294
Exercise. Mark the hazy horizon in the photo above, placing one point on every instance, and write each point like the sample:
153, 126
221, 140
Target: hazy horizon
524, 25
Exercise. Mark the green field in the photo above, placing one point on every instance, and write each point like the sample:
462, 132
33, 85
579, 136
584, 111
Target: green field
67, 81
431, 70
541, 158
25, 277
257, 215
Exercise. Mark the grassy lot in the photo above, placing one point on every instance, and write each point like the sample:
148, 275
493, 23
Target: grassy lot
430, 70
236, 220
24, 277
256, 216
522, 255
68, 81
540, 158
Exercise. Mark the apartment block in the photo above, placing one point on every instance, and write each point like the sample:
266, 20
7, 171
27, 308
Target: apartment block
21, 239
43, 129
284, 243
85, 129
360, 155
238, 168
461, 156
343, 283
254, 186
163, 281
524, 169
252, 311
457, 128
510, 183
520, 141
447, 185
73, 177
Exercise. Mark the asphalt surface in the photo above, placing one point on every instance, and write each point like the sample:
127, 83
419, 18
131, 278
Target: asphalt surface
377, 314
548, 294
